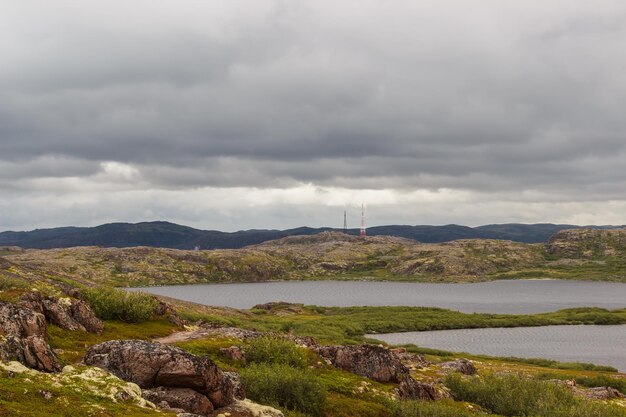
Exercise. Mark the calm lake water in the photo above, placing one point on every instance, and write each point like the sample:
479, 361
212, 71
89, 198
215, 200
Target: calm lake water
601, 345
513, 296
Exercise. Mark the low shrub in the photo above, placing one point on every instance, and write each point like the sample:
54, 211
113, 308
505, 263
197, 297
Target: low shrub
549, 363
430, 409
10, 283
514, 395
114, 304
602, 381
275, 350
284, 386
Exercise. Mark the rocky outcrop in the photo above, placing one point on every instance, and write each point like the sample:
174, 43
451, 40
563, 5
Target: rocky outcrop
151, 365
23, 338
371, 361
410, 389
179, 398
67, 313
463, 366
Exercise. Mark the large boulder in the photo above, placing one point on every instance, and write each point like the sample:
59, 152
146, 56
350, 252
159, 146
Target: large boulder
151, 364
23, 338
371, 361
183, 398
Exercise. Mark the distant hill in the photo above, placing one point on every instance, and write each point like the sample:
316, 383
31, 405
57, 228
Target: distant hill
170, 235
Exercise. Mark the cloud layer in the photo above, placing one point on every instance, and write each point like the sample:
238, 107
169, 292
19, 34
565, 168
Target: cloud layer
235, 114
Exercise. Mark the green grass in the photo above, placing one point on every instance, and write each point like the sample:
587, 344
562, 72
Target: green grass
514, 395
351, 324
445, 408
7, 283
74, 343
548, 363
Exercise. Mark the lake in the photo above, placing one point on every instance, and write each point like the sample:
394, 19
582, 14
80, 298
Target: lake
601, 345
508, 296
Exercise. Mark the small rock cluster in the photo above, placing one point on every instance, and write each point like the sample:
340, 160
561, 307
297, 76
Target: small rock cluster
23, 328
67, 313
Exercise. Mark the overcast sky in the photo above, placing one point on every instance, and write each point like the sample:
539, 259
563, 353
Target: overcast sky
273, 114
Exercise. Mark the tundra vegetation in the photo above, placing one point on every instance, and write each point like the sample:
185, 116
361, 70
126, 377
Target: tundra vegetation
278, 370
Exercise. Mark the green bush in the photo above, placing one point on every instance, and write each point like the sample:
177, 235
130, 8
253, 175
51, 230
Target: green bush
284, 386
275, 350
514, 395
113, 304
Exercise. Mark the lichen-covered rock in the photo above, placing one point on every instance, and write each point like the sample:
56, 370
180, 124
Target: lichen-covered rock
229, 391
247, 408
463, 366
371, 361
21, 321
410, 389
150, 364
183, 398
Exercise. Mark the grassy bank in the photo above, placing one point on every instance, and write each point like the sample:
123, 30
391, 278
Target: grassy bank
351, 324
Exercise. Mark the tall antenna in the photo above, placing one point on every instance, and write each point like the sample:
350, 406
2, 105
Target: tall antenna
345, 221
362, 233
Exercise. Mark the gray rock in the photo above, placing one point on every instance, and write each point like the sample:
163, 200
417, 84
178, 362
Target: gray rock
463, 366
374, 362
185, 399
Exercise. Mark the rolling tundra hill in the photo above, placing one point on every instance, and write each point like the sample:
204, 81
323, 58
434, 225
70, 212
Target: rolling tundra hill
174, 236
569, 254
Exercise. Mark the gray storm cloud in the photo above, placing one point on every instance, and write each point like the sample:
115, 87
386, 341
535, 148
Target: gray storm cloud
504, 100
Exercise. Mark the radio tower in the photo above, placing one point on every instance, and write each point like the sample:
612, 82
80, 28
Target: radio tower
362, 233
345, 221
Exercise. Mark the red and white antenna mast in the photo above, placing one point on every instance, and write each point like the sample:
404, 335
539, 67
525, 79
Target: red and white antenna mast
362, 233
